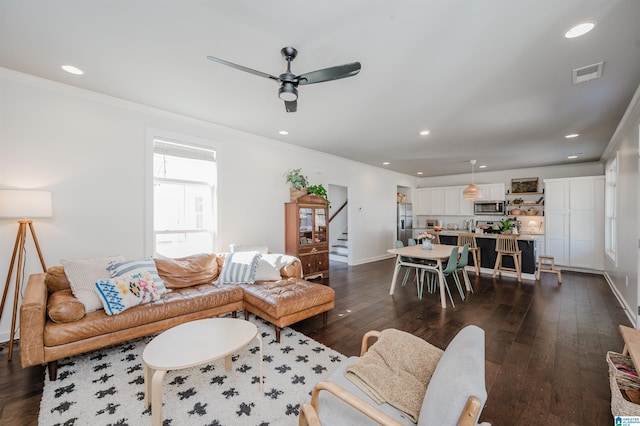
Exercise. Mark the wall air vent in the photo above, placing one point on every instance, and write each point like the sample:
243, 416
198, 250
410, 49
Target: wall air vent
588, 73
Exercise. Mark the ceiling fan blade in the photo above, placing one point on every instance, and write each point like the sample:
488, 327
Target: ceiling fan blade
245, 69
328, 74
291, 106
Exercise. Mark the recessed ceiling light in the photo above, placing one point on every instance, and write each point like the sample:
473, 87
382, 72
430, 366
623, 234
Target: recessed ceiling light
283, 132
572, 135
572, 157
424, 132
580, 29
420, 173
386, 163
72, 70
484, 166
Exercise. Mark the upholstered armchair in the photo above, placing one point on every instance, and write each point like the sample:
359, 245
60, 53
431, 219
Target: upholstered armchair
455, 393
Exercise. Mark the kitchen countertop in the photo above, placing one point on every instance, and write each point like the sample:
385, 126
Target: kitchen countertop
524, 237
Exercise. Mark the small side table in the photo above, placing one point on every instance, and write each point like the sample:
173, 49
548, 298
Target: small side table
199, 342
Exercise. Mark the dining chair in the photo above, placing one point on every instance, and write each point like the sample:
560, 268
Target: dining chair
462, 263
432, 280
400, 244
411, 242
507, 245
470, 238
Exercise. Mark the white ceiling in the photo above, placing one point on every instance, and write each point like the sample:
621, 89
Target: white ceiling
490, 79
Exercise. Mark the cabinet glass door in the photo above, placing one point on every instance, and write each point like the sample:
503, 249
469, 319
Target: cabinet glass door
306, 226
320, 230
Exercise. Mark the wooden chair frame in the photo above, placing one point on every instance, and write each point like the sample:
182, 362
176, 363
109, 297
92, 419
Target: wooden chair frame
507, 245
469, 238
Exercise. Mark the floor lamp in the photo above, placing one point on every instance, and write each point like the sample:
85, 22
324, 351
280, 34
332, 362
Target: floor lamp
24, 205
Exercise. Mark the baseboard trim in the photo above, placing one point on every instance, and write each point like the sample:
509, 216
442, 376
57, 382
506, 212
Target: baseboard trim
627, 309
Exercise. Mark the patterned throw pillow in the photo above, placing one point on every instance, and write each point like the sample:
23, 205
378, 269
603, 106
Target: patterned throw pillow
124, 292
239, 267
129, 267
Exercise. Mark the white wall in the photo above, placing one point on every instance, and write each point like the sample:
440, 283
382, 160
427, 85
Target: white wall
623, 276
89, 151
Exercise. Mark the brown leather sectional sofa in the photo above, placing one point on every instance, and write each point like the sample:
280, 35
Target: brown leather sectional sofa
42, 340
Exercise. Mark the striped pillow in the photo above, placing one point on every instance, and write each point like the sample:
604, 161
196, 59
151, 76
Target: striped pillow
130, 267
239, 267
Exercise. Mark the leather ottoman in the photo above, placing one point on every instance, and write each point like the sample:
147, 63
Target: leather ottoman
285, 302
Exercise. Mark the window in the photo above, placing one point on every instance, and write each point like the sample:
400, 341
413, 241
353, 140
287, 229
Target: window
611, 210
184, 183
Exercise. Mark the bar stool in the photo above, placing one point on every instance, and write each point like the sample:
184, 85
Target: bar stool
469, 238
507, 245
552, 269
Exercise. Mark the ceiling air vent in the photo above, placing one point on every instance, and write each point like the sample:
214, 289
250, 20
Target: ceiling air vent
590, 72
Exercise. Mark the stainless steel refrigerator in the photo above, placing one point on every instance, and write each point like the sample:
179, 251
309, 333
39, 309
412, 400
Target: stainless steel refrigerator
405, 222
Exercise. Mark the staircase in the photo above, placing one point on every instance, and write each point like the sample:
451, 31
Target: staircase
340, 251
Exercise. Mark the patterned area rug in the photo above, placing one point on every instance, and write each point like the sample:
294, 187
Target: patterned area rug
106, 387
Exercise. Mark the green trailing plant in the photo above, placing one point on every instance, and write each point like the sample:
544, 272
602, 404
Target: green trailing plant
318, 190
296, 179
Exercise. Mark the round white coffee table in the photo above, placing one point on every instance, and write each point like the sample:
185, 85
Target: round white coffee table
189, 345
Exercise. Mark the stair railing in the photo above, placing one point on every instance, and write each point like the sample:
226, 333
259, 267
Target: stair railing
338, 211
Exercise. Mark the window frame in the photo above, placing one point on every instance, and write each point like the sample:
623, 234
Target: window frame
611, 210
153, 134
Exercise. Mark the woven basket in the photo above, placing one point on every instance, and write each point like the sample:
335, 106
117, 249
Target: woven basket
620, 381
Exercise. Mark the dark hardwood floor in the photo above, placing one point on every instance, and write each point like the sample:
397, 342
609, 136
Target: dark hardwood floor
545, 344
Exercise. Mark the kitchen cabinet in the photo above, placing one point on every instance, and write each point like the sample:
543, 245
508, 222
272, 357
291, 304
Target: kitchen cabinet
307, 234
493, 191
448, 201
574, 221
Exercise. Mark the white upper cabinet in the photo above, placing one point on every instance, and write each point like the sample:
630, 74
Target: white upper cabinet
493, 191
448, 201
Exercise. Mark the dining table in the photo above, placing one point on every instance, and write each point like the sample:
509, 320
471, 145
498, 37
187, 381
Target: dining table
437, 253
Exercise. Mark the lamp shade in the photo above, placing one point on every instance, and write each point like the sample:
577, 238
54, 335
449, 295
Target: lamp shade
25, 204
472, 192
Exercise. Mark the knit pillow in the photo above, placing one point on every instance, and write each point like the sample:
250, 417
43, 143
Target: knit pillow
83, 274
124, 292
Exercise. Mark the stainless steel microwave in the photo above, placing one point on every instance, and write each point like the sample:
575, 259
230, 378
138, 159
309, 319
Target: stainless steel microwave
488, 207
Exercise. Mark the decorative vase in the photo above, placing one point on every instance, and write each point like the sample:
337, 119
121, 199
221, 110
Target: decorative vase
426, 244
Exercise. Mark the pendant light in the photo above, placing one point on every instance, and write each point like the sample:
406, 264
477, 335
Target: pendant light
472, 192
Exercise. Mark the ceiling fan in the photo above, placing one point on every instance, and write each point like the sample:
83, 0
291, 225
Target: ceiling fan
289, 82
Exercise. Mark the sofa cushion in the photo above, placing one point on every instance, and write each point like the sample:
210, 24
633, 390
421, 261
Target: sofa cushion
459, 375
239, 268
63, 306
173, 304
266, 271
131, 267
188, 271
83, 274
280, 298
56, 279
123, 292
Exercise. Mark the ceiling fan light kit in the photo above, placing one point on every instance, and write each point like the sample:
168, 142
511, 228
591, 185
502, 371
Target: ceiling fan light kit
289, 82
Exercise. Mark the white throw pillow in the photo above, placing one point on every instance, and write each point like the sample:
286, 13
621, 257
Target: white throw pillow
83, 274
266, 271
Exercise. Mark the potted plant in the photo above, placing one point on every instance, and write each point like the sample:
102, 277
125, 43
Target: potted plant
506, 226
298, 183
318, 190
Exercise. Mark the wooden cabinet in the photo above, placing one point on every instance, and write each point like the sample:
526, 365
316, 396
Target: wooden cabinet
574, 221
306, 227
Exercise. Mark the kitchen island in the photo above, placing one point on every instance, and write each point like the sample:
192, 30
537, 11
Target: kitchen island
487, 244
